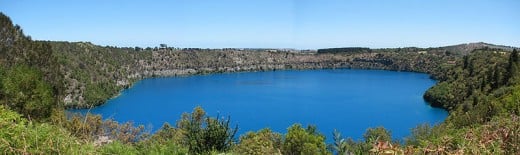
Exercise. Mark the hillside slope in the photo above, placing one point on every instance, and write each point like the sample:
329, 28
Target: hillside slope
93, 73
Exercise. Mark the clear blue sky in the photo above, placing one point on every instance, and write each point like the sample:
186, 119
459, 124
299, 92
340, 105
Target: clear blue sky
270, 23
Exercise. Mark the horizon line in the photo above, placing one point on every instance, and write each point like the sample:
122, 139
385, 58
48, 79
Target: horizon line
278, 48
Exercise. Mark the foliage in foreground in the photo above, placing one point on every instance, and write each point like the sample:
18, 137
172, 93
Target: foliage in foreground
304, 141
20, 136
203, 134
264, 141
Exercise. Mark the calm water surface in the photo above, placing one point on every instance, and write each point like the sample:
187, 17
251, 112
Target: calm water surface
343, 99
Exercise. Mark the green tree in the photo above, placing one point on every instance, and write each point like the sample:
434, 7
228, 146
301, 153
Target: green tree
514, 57
373, 135
1, 85
26, 92
203, 134
300, 141
465, 62
420, 134
340, 145
497, 80
512, 68
440, 95
257, 143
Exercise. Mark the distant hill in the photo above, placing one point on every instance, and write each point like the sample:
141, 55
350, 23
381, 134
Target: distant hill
465, 49
460, 49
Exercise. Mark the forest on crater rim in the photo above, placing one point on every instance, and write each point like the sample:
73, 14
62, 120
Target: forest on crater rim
478, 85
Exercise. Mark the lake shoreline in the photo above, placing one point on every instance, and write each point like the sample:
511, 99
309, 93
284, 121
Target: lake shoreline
219, 100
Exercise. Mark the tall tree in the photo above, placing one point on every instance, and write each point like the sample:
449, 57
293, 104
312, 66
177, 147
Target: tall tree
497, 78
26, 92
512, 68
301, 141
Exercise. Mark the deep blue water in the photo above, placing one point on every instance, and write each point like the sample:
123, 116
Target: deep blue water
343, 99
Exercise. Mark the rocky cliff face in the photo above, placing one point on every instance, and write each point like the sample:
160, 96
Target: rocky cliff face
94, 74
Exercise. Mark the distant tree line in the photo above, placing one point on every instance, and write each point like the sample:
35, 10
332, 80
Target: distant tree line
346, 49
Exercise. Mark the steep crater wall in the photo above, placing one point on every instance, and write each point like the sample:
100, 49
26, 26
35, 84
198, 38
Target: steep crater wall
94, 74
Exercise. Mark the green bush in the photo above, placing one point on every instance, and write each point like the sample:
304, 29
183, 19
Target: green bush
20, 136
118, 148
373, 135
153, 146
302, 141
91, 127
25, 91
257, 143
203, 134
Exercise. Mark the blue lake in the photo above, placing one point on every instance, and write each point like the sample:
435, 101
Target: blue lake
344, 99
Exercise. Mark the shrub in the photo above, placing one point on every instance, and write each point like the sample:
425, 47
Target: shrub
203, 134
25, 92
153, 146
118, 148
92, 127
20, 136
377, 134
304, 141
257, 143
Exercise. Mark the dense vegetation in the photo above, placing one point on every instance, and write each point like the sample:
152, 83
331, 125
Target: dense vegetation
28, 73
479, 84
482, 86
